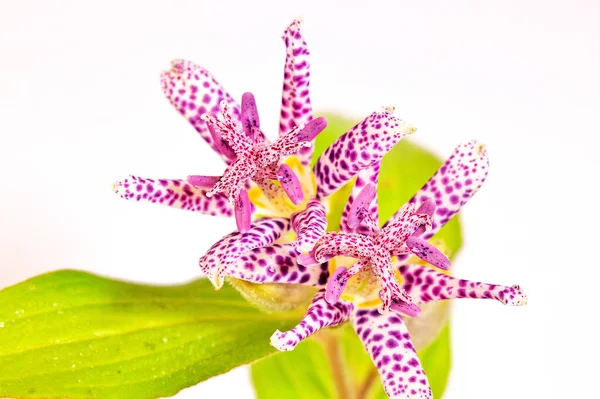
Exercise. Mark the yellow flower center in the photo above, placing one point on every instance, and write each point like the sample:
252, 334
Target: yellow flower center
283, 207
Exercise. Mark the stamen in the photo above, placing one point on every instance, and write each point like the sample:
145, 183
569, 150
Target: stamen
426, 208
361, 206
428, 252
290, 184
203, 181
220, 143
307, 259
255, 158
249, 116
336, 284
311, 130
408, 309
243, 211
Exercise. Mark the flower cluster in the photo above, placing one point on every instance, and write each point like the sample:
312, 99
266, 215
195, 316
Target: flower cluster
381, 287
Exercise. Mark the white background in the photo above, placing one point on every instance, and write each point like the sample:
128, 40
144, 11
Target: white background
81, 106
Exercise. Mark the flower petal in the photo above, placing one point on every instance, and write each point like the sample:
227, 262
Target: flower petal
344, 244
425, 285
263, 232
175, 193
296, 109
320, 314
290, 184
193, 91
276, 264
454, 183
309, 225
359, 148
387, 341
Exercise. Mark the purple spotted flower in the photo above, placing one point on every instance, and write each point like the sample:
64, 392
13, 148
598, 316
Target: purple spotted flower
356, 295
250, 256
234, 133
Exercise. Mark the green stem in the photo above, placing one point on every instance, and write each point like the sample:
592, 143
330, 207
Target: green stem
334, 355
366, 386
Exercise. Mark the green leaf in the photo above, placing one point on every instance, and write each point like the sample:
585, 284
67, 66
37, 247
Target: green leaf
436, 360
71, 334
297, 374
404, 171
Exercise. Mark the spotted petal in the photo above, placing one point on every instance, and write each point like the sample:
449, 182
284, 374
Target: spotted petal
175, 193
425, 285
359, 148
309, 225
222, 255
296, 109
457, 180
320, 314
387, 341
276, 264
193, 91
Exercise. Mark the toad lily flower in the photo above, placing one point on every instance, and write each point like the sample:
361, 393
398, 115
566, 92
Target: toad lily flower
242, 254
376, 249
234, 133
255, 158
355, 294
